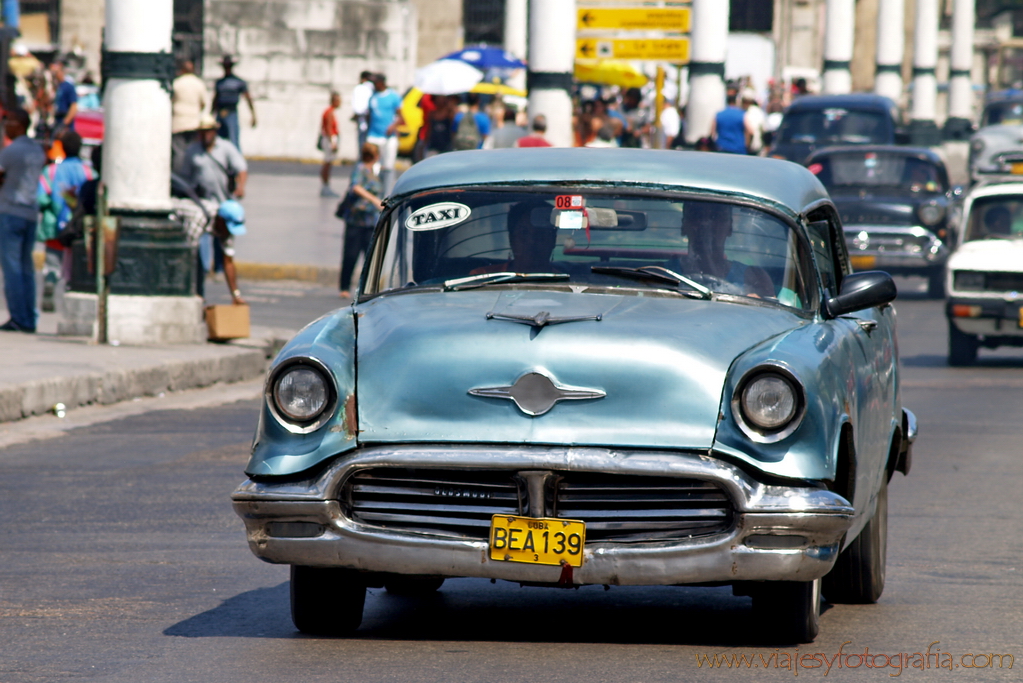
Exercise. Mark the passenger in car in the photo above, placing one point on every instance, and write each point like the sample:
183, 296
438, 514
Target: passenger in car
707, 226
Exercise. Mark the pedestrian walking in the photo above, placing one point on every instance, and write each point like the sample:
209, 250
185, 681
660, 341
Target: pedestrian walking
439, 136
509, 133
472, 127
330, 140
729, 129
228, 92
384, 119
189, 100
65, 99
21, 162
361, 95
538, 138
754, 118
363, 215
58, 195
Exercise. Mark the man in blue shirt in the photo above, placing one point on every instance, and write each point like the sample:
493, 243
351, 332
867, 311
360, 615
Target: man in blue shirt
65, 101
228, 92
729, 128
21, 162
384, 119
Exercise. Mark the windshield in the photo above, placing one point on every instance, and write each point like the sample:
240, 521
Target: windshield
471, 239
998, 217
878, 169
832, 126
1005, 113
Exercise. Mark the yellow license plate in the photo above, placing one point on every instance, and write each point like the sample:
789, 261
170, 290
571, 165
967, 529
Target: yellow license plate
863, 262
537, 540
1016, 168
1021, 317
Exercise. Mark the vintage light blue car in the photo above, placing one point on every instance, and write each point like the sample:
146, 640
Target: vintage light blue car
581, 366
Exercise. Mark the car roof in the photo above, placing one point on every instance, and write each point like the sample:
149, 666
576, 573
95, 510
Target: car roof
787, 185
923, 153
996, 187
849, 101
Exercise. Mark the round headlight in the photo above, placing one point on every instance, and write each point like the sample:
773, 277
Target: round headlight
931, 214
977, 146
769, 402
301, 393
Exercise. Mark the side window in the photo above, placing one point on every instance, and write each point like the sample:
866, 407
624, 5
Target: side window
823, 247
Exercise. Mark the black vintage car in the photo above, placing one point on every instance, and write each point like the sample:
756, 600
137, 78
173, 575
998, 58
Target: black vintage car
896, 206
816, 121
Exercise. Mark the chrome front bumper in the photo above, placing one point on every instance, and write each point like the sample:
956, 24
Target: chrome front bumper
763, 516
895, 247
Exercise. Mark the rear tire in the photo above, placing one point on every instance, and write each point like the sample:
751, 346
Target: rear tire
858, 575
326, 601
962, 347
789, 610
413, 585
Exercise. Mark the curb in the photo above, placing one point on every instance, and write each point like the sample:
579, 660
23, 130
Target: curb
112, 386
273, 271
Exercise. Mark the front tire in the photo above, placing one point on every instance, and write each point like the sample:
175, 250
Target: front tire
962, 347
789, 610
326, 601
858, 575
413, 585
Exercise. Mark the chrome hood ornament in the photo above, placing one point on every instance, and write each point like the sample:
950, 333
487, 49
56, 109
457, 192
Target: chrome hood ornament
535, 393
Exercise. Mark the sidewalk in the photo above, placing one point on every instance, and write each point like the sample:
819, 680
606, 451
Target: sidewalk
288, 267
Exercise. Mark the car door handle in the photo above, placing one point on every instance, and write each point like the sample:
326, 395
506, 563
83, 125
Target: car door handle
865, 325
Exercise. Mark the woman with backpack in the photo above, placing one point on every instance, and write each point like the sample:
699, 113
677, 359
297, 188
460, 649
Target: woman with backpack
361, 216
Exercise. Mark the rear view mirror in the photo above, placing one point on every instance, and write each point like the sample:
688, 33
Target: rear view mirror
861, 291
593, 218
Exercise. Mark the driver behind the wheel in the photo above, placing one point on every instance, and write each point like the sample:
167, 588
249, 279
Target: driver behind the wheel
707, 226
531, 245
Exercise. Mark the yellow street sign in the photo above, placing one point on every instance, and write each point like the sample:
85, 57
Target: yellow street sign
662, 49
674, 19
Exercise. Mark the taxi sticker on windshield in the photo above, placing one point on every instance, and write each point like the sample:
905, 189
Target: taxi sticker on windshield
437, 216
569, 201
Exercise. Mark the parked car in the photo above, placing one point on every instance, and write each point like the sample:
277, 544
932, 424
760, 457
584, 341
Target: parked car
589, 366
896, 206
997, 147
985, 274
815, 121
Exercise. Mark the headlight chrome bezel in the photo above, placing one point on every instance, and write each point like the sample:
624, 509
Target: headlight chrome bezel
319, 419
933, 209
747, 425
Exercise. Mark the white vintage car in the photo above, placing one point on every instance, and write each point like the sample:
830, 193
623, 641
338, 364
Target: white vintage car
985, 274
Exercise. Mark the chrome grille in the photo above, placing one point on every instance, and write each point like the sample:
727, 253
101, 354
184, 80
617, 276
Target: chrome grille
461, 502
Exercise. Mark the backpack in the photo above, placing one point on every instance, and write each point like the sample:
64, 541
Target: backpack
468, 134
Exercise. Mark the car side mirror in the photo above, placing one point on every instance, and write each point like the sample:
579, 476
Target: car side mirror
861, 291
957, 191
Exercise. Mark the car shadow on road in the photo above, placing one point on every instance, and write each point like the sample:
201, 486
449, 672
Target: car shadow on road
472, 610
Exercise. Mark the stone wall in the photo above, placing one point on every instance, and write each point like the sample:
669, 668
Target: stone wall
440, 29
294, 52
81, 30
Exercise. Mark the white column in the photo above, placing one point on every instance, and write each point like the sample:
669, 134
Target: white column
706, 67
960, 87
136, 146
551, 63
840, 24
925, 82
516, 31
891, 40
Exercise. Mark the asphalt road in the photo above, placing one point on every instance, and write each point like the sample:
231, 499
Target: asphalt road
121, 560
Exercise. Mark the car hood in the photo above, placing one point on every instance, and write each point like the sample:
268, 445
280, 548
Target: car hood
875, 208
651, 369
989, 256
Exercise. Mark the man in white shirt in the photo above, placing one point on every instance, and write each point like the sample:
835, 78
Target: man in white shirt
754, 119
188, 103
361, 95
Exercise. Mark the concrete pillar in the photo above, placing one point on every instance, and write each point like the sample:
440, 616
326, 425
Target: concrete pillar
706, 67
153, 285
838, 46
551, 63
516, 31
959, 123
137, 111
923, 130
890, 48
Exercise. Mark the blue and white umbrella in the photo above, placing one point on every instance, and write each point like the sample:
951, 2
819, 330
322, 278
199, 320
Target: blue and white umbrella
485, 58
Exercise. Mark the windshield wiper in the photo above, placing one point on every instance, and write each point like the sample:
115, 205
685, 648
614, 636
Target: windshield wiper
484, 279
654, 274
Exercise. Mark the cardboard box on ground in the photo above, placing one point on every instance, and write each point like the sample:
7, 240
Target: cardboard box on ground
227, 322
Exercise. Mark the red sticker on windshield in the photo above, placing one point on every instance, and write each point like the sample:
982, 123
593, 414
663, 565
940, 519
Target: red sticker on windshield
569, 201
